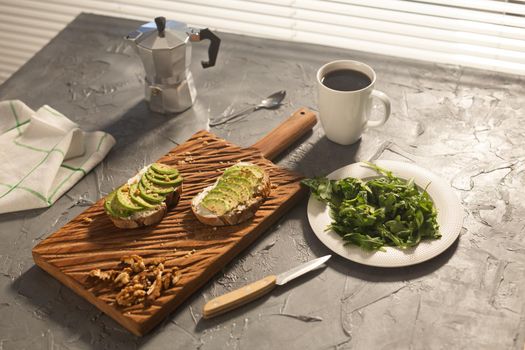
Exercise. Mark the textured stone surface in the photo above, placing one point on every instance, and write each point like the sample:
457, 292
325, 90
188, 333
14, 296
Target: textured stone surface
465, 125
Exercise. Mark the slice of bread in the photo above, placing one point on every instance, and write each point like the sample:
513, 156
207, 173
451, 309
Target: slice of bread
146, 216
240, 213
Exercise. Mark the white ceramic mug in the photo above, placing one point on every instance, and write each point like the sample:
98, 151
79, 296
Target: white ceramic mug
345, 114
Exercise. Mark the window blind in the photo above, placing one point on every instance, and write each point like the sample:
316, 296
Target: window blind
485, 34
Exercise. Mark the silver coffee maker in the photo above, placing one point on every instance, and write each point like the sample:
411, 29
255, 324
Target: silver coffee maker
165, 50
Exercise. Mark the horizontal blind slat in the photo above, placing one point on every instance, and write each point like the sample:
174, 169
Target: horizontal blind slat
441, 11
11, 27
484, 5
411, 30
35, 42
225, 25
10, 63
15, 61
415, 19
420, 54
50, 28
237, 5
47, 7
179, 9
414, 42
17, 47
32, 14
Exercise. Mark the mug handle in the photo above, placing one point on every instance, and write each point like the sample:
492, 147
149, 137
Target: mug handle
386, 102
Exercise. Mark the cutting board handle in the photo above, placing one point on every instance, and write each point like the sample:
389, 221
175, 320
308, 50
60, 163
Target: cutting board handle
285, 134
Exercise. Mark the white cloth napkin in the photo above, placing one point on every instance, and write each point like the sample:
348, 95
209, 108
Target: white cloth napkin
42, 155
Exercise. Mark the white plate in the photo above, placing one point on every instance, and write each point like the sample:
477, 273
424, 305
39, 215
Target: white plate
450, 217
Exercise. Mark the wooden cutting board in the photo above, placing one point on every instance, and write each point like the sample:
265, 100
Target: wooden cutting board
91, 241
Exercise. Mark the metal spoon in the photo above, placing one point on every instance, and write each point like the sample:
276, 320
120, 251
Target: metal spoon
270, 102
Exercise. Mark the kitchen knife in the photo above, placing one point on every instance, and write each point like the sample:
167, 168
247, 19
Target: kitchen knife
257, 289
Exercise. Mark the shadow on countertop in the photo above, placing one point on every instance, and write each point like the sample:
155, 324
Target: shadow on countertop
82, 323
62, 306
245, 309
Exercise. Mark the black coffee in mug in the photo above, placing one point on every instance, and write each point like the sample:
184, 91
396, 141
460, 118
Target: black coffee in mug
346, 80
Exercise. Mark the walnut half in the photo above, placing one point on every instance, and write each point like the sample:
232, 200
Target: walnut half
102, 275
138, 282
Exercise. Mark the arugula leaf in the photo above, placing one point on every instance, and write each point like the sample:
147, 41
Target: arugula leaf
320, 187
384, 211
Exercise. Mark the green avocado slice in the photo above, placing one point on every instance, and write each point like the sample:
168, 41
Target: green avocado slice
229, 191
241, 181
258, 172
124, 199
150, 195
164, 169
119, 211
242, 192
216, 205
115, 209
253, 173
107, 203
245, 174
220, 194
173, 183
165, 177
148, 185
134, 193
234, 168
254, 169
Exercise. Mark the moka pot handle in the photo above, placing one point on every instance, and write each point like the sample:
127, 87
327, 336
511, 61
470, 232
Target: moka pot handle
213, 49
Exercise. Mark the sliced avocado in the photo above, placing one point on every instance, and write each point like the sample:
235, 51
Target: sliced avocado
233, 168
164, 168
241, 190
134, 193
230, 191
118, 210
165, 177
257, 171
241, 181
150, 195
147, 184
216, 205
124, 199
169, 182
107, 203
245, 174
220, 194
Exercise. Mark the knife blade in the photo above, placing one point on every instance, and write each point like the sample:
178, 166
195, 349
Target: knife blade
300, 270
243, 295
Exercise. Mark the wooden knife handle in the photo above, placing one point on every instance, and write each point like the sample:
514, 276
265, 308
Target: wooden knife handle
286, 133
239, 297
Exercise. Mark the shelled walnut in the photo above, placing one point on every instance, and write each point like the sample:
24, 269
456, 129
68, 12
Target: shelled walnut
137, 281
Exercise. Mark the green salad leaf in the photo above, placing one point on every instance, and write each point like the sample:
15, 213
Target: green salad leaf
384, 211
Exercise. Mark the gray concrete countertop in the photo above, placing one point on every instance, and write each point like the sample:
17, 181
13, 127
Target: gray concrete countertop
466, 125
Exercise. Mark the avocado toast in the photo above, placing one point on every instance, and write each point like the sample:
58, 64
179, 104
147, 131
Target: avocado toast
145, 198
235, 196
